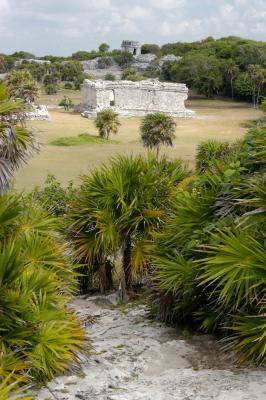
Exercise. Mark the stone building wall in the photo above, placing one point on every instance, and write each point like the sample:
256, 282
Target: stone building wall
134, 98
132, 47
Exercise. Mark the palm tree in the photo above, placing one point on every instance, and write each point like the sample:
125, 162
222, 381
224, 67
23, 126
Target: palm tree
117, 210
232, 71
107, 122
40, 336
22, 85
157, 129
16, 142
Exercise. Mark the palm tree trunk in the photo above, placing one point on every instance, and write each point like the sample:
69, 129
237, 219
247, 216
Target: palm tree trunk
232, 89
157, 153
126, 259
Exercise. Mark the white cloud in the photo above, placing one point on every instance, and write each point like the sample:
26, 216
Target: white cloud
167, 4
39, 25
4, 6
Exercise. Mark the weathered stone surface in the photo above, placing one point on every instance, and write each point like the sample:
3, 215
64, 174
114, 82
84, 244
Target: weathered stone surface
134, 98
132, 47
169, 58
38, 113
98, 63
135, 358
143, 61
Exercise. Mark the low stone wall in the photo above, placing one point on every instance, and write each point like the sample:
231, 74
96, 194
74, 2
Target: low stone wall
134, 98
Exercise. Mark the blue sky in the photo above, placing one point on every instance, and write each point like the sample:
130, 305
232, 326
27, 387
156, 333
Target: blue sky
64, 26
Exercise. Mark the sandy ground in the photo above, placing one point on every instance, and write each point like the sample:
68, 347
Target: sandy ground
134, 358
215, 119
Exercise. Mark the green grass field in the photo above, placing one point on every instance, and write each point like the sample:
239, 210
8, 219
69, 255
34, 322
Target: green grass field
215, 119
79, 140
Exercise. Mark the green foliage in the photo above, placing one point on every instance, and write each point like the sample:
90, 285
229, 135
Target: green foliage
254, 150
105, 62
16, 142
53, 196
130, 74
51, 88
107, 122
22, 85
151, 49
67, 103
81, 139
157, 129
218, 66
200, 71
104, 47
263, 106
213, 154
153, 71
69, 86
109, 77
117, 208
124, 58
210, 256
40, 336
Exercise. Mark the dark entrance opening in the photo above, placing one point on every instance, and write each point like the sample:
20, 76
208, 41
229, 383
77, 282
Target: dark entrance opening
134, 52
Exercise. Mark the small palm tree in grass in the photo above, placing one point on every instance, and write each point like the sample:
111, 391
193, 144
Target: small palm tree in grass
157, 129
107, 122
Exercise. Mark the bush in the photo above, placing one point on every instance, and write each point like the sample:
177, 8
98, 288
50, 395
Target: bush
69, 86
109, 77
263, 106
210, 257
124, 59
212, 154
130, 74
53, 196
67, 103
40, 336
51, 88
116, 211
105, 62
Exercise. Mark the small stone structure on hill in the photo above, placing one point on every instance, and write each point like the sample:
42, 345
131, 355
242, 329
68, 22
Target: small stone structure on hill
132, 47
134, 98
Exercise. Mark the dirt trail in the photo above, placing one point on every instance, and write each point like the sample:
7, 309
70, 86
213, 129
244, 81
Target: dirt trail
135, 358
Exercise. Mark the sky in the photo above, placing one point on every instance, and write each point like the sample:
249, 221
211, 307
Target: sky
61, 27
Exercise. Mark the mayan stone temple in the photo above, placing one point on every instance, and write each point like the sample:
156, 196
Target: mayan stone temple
129, 98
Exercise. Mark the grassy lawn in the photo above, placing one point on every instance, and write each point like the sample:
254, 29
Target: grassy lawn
79, 140
215, 119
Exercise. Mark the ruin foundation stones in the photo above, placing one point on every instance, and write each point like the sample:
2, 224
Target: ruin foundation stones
128, 98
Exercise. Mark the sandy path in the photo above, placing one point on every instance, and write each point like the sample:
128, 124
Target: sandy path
135, 358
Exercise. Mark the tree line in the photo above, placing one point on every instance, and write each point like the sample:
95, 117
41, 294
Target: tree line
231, 66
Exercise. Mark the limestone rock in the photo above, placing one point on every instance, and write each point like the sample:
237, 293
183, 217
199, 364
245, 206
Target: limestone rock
129, 98
169, 58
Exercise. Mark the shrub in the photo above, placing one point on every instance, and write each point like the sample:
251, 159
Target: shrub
109, 77
53, 196
210, 257
107, 122
40, 336
51, 88
116, 210
130, 74
69, 86
67, 103
212, 154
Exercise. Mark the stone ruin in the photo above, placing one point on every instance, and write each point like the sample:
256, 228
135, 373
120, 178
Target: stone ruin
132, 47
39, 113
129, 98
100, 66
